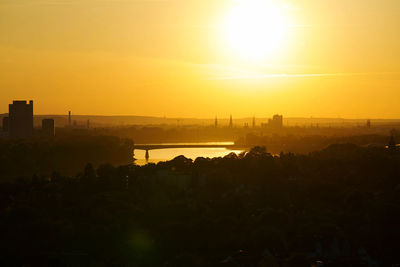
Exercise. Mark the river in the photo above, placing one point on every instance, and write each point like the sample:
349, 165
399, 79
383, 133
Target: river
158, 155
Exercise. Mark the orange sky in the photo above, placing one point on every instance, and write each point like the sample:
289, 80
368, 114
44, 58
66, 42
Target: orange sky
172, 57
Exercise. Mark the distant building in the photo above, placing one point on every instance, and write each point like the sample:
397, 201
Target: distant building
6, 123
368, 123
275, 123
254, 122
48, 128
69, 118
230, 122
216, 122
21, 119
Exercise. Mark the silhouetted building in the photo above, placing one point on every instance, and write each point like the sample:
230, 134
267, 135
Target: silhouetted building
69, 118
276, 122
230, 122
21, 119
48, 128
254, 122
6, 123
216, 122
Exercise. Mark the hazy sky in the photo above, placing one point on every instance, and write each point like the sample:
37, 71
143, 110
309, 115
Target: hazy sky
173, 58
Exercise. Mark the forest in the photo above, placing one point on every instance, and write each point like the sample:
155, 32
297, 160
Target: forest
338, 206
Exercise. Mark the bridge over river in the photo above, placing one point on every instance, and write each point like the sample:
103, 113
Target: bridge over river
148, 147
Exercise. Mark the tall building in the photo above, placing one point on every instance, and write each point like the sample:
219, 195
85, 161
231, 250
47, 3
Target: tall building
21, 119
275, 123
254, 121
69, 118
6, 123
216, 122
48, 128
230, 122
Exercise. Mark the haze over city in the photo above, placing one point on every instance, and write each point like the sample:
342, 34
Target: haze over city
200, 59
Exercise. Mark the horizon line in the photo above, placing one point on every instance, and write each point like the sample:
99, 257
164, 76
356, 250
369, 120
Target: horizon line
213, 118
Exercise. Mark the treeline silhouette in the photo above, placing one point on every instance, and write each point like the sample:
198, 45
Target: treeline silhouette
336, 207
299, 143
66, 154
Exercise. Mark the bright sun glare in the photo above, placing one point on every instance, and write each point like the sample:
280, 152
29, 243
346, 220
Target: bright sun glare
255, 29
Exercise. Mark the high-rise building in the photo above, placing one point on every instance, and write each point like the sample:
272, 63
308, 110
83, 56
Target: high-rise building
216, 122
21, 119
48, 128
230, 122
6, 123
275, 123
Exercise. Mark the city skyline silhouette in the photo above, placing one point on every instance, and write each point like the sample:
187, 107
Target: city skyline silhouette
202, 58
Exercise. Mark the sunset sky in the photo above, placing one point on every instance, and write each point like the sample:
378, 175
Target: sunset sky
201, 58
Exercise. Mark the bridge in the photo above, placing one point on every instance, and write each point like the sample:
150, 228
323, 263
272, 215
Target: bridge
148, 147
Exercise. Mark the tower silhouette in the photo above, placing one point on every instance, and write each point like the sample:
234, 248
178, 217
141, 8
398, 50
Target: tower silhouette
216, 122
230, 122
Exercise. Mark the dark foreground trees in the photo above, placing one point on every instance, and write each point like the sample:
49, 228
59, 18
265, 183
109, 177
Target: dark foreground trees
339, 206
66, 154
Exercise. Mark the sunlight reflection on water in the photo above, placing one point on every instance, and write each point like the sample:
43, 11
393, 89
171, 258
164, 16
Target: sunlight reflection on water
158, 155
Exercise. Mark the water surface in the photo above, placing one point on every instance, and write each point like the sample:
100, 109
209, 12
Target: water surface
158, 155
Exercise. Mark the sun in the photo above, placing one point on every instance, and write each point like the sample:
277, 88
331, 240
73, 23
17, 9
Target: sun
255, 29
